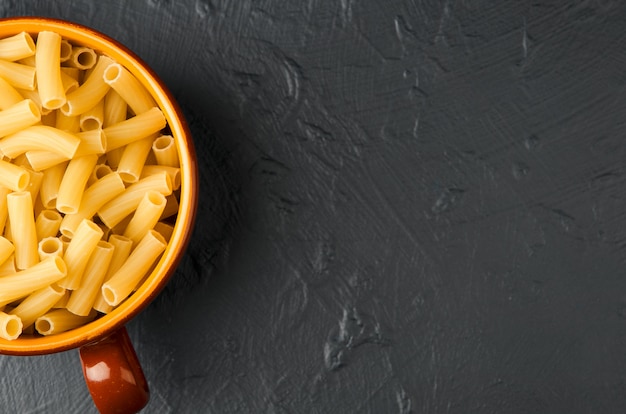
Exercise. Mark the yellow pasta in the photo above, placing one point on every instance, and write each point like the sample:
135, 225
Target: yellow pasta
173, 172
61, 320
23, 232
9, 96
90, 92
10, 326
38, 303
94, 197
66, 51
92, 118
133, 159
39, 137
13, 177
50, 246
83, 243
6, 249
48, 70
78, 166
146, 216
50, 184
165, 151
27, 281
74, 182
133, 270
129, 88
19, 116
18, 75
121, 206
135, 128
122, 247
17, 47
47, 224
82, 58
82, 299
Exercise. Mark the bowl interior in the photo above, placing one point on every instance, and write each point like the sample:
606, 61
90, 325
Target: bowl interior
78, 34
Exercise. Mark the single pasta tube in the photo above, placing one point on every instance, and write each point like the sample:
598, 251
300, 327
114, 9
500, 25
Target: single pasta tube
165, 151
90, 92
34, 183
61, 320
17, 47
50, 184
171, 207
133, 270
74, 182
135, 128
6, 249
133, 159
18, 75
10, 326
50, 246
40, 137
48, 69
47, 224
3, 206
115, 109
8, 267
121, 206
92, 118
82, 58
122, 247
146, 216
13, 177
94, 197
66, 50
19, 116
82, 299
173, 172
9, 96
85, 240
26, 281
38, 303
129, 88
23, 233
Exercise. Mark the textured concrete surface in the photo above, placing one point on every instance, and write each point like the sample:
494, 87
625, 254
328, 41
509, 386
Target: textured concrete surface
407, 207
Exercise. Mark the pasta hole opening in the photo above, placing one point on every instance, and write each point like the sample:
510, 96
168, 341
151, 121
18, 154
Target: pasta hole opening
66, 209
13, 327
102, 170
128, 177
51, 215
66, 109
112, 73
86, 58
109, 295
51, 245
33, 108
57, 289
163, 143
60, 265
66, 50
53, 103
23, 181
156, 198
43, 326
89, 124
29, 42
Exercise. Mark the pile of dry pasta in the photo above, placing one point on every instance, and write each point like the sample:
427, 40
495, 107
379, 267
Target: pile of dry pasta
89, 181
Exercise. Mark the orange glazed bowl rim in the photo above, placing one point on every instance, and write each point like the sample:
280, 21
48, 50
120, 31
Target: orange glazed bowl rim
158, 278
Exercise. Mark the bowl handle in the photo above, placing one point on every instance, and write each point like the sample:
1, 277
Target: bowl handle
113, 374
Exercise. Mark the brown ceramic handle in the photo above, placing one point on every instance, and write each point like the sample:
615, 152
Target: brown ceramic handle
113, 374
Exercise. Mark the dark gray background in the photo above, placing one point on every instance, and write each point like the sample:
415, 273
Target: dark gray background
407, 207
